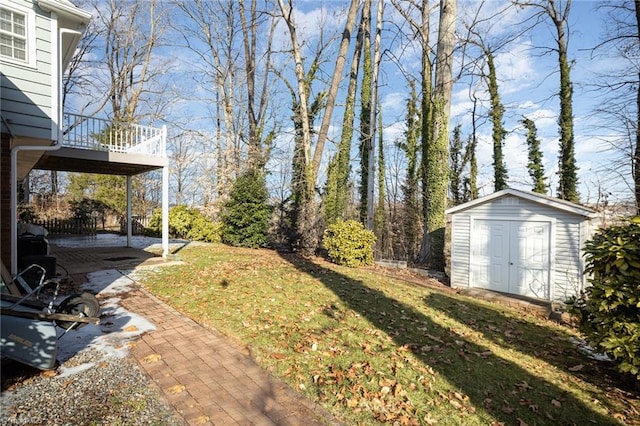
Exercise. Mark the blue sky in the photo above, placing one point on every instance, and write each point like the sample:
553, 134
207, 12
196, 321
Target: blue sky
528, 82
527, 76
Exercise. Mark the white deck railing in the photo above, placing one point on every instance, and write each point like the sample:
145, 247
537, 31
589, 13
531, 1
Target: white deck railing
103, 135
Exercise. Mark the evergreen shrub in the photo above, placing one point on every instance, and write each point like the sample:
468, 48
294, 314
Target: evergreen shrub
245, 217
608, 310
348, 243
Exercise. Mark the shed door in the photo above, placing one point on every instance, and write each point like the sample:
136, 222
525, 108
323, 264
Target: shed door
511, 257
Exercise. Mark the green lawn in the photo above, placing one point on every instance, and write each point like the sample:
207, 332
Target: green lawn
374, 349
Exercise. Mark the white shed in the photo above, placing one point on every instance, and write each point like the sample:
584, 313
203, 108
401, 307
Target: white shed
521, 243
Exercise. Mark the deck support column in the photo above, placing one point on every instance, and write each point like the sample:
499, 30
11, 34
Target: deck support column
165, 211
129, 227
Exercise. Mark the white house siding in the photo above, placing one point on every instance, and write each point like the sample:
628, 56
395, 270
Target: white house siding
27, 91
567, 266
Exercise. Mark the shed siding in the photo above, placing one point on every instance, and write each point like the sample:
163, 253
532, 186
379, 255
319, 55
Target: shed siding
460, 251
26, 92
567, 266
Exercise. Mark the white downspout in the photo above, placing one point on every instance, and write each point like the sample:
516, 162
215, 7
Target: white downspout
57, 144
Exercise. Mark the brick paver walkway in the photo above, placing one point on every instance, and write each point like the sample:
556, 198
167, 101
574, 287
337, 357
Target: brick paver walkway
210, 380
206, 377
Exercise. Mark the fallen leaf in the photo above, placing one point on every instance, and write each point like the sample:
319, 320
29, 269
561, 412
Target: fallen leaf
522, 422
277, 355
130, 328
523, 386
455, 404
506, 409
397, 390
556, 403
49, 373
176, 389
151, 358
576, 367
429, 420
386, 382
202, 420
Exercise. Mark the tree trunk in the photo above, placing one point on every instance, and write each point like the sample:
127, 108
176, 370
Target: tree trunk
372, 121
568, 185
635, 163
304, 187
496, 113
335, 84
365, 112
335, 201
432, 250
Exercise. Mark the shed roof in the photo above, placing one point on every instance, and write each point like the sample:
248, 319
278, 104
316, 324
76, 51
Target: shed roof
555, 203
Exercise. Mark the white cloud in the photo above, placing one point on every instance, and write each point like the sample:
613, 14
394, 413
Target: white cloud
516, 68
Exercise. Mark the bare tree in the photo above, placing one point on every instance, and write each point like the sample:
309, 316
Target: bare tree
256, 101
621, 92
131, 32
210, 35
305, 170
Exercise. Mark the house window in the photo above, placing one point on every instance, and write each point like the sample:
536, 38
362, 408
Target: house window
13, 35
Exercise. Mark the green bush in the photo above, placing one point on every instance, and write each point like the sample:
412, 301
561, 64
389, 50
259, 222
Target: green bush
187, 223
349, 243
245, 217
609, 309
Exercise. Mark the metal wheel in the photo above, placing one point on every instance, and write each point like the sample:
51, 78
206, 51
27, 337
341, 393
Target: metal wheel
82, 305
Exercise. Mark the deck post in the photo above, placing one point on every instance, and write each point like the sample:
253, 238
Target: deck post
165, 211
165, 196
129, 227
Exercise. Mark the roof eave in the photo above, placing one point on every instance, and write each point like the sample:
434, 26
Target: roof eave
540, 199
65, 9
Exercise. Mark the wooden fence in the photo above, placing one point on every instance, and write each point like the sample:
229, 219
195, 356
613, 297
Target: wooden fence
139, 226
69, 226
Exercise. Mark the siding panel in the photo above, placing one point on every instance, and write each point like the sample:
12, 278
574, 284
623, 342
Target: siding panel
26, 92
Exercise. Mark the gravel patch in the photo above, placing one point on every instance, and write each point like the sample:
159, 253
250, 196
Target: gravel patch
96, 382
88, 389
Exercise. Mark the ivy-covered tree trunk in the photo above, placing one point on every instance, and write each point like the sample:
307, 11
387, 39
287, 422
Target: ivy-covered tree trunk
496, 113
535, 166
365, 111
412, 219
457, 164
337, 192
437, 164
306, 170
471, 183
371, 185
635, 162
568, 185
425, 106
380, 222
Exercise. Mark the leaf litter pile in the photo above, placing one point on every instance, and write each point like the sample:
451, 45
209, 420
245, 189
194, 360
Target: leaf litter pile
372, 348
